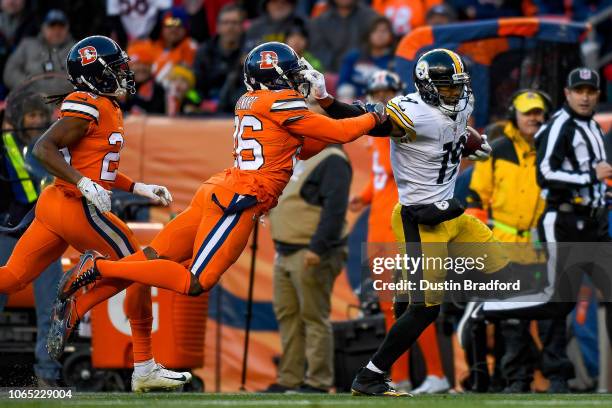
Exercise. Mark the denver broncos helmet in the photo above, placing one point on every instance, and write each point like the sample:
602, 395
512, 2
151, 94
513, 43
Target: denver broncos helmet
442, 81
97, 64
383, 80
273, 66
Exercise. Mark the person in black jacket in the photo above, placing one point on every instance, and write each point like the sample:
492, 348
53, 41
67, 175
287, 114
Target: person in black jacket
220, 55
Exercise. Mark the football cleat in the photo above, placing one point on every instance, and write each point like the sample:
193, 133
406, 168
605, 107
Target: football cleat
369, 383
63, 322
471, 315
432, 385
81, 275
159, 378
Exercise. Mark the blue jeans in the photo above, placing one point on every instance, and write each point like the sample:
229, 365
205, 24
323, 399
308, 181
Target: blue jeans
44, 295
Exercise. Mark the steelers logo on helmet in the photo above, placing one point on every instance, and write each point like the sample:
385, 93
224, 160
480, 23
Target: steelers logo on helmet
421, 70
440, 77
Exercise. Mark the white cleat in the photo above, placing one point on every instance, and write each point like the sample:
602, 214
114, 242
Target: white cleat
432, 385
159, 378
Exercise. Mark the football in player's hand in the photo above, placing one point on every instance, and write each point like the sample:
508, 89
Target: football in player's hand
473, 142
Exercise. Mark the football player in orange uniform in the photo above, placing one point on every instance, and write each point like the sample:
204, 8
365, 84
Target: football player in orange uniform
82, 150
273, 129
381, 195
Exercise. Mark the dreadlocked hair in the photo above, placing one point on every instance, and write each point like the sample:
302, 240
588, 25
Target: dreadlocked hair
56, 99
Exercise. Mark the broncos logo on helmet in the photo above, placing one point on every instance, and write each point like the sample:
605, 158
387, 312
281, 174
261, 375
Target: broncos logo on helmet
275, 65
441, 79
97, 64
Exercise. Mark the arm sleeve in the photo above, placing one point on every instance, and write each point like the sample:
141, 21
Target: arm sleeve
340, 110
123, 182
311, 147
335, 180
319, 127
556, 146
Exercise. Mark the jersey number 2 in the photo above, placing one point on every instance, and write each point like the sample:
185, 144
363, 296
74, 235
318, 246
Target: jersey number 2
248, 152
111, 157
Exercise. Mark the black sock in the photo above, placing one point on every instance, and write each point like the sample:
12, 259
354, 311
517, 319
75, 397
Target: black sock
404, 332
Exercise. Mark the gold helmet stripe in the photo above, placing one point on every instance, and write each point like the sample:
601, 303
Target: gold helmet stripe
456, 61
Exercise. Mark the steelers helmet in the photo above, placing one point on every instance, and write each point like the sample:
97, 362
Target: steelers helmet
442, 69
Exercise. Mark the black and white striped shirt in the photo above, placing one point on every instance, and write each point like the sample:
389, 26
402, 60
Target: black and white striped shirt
569, 146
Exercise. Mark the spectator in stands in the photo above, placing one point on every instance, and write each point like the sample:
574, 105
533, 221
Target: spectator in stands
277, 18
232, 89
342, 27
440, 14
297, 38
405, 15
131, 20
150, 96
21, 179
182, 98
311, 249
16, 21
360, 64
45, 53
174, 45
96, 23
221, 54
480, 10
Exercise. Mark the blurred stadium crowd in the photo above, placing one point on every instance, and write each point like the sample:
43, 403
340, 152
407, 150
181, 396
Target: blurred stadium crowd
187, 54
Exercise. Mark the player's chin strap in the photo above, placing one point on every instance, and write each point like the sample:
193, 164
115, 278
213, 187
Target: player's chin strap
283, 75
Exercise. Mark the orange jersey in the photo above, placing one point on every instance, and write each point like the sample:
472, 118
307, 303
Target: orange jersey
95, 155
381, 192
270, 130
405, 15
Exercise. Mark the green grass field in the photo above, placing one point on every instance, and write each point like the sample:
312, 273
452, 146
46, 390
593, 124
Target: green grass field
308, 400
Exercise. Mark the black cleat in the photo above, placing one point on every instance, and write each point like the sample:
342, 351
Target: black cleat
369, 383
63, 324
82, 274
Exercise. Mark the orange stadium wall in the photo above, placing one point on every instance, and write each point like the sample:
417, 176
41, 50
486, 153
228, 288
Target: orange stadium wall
181, 154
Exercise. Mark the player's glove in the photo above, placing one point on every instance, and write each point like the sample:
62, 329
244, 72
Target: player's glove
317, 83
95, 194
378, 109
159, 194
483, 153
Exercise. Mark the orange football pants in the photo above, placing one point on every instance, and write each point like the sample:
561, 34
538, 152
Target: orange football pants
211, 232
63, 220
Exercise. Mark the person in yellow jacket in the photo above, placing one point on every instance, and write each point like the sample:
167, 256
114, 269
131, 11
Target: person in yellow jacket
504, 193
503, 190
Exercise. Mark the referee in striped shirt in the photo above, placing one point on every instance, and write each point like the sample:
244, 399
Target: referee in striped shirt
571, 163
571, 169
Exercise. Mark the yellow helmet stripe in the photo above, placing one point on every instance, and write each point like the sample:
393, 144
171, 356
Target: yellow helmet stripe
456, 61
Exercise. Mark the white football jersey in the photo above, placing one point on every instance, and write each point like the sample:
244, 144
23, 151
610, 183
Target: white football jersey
426, 167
